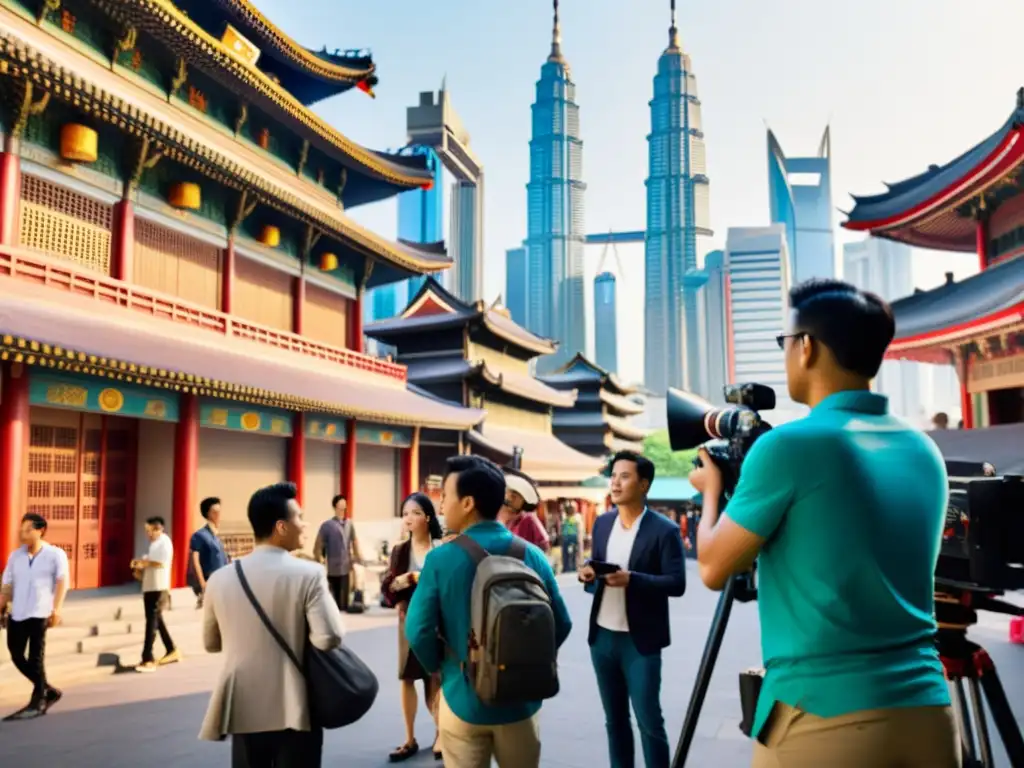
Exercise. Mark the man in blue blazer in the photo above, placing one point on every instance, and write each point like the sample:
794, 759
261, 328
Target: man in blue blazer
637, 566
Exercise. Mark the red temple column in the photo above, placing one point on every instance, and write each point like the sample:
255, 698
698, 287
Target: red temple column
14, 427
348, 466
186, 471
966, 406
227, 278
297, 457
355, 323
10, 192
981, 242
411, 465
298, 304
122, 241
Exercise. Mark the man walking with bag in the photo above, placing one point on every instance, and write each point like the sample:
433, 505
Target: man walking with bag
490, 700
261, 698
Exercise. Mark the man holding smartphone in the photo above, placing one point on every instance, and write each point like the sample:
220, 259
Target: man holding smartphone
637, 565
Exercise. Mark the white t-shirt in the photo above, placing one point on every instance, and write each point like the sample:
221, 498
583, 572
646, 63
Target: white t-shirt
34, 580
159, 579
612, 612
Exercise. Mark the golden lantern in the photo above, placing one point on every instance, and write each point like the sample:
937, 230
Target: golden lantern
185, 195
270, 236
79, 143
328, 262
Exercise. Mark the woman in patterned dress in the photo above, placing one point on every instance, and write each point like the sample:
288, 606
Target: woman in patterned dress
419, 519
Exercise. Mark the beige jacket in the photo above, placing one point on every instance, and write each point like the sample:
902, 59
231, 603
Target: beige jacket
259, 688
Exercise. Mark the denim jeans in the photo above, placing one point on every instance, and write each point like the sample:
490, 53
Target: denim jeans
624, 675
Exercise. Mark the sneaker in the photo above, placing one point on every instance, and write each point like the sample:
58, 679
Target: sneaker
52, 697
171, 658
146, 666
31, 712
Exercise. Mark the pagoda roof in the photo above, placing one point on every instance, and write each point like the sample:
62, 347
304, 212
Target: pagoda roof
927, 210
518, 384
619, 403
383, 174
545, 457
580, 370
929, 321
433, 309
308, 75
66, 331
184, 138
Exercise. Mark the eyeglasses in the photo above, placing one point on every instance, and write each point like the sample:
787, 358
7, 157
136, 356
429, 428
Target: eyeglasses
781, 339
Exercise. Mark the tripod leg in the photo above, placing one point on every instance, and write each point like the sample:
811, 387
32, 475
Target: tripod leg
1006, 723
963, 720
707, 666
984, 742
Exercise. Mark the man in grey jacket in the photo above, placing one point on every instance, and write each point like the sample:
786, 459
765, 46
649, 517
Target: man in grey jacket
260, 698
338, 548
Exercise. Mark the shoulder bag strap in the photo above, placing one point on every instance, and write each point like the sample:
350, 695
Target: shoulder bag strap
266, 619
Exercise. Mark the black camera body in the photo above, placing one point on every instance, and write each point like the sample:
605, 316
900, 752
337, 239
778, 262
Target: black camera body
727, 434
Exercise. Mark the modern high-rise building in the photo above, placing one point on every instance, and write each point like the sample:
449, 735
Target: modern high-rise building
885, 267
717, 347
555, 239
606, 350
758, 296
515, 284
420, 220
678, 223
800, 196
465, 237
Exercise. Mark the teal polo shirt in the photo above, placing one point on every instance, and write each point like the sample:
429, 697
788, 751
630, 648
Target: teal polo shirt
440, 607
852, 503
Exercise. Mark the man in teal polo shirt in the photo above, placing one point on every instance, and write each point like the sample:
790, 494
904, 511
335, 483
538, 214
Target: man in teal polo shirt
844, 512
472, 733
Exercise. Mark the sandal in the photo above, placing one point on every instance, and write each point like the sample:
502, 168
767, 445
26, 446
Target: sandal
404, 752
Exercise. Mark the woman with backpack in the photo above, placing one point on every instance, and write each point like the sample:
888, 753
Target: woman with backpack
419, 519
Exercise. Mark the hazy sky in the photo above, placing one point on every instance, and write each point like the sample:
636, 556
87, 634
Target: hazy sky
903, 83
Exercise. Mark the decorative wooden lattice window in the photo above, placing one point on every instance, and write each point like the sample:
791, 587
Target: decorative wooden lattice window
65, 224
175, 263
238, 544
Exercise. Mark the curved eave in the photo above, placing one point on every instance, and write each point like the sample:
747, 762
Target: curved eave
525, 387
922, 210
934, 346
79, 87
619, 403
623, 430
504, 328
168, 24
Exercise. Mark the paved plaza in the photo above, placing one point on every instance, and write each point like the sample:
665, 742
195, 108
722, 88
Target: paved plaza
131, 719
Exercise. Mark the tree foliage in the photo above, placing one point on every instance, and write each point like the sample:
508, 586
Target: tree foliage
667, 463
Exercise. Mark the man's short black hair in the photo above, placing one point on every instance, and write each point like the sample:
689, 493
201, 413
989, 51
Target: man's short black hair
268, 506
644, 466
206, 505
338, 497
855, 325
156, 520
480, 478
38, 521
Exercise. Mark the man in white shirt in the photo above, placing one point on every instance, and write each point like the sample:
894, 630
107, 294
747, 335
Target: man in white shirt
35, 582
638, 565
155, 569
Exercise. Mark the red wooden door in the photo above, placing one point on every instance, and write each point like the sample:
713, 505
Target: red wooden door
53, 465
117, 494
87, 552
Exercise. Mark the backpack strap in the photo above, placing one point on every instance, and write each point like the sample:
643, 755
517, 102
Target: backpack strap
471, 548
517, 549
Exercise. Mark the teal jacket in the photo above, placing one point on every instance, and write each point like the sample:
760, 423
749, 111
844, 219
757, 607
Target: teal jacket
440, 607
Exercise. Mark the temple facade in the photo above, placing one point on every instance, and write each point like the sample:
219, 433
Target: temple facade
598, 422
973, 204
476, 357
181, 287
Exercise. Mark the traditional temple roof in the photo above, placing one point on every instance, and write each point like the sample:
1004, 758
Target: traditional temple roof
932, 209
433, 309
928, 321
64, 331
620, 404
522, 385
545, 457
580, 370
308, 75
381, 174
96, 90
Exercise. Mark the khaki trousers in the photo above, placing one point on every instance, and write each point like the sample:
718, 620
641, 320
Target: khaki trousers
515, 745
911, 737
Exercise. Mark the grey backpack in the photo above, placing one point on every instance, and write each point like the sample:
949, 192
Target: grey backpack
512, 646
